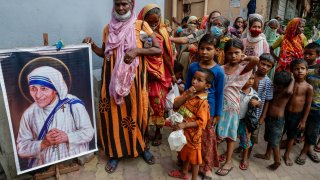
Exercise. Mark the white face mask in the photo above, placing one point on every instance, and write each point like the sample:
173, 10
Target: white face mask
122, 17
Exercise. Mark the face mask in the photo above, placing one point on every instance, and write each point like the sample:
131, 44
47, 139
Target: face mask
255, 33
122, 17
216, 31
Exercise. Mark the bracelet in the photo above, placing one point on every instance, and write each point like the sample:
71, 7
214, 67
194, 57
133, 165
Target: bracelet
173, 76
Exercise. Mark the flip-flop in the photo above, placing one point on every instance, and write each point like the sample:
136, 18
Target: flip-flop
243, 166
316, 149
148, 157
112, 165
204, 177
274, 166
314, 157
221, 170
300, 161
157, 140
177, 174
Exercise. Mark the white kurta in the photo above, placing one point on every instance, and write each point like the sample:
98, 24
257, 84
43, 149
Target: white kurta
77, 126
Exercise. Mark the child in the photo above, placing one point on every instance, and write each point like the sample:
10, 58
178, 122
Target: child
178, 70
311, 52
247, 95
255, 42
237, 74
263, 86
193, 106
298, 107
283, 89
207, 53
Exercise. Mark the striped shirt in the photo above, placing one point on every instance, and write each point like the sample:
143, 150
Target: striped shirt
265, 92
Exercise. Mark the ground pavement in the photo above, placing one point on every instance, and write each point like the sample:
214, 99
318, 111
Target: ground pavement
165, 160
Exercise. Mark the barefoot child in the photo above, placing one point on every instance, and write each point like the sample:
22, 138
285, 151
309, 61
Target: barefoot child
247, 96
193, 106
237, 72
311, 52
298, 106
283, 89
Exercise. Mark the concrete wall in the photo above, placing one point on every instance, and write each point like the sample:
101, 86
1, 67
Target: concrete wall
22, 23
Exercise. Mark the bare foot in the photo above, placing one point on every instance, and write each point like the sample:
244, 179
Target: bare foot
262, 156
274, 166
287, 160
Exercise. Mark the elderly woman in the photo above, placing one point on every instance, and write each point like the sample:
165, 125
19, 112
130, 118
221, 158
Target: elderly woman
57, 125
291, 44
124, 93
160, 69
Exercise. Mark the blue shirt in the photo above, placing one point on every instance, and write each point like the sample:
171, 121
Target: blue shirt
215, 93
265, 93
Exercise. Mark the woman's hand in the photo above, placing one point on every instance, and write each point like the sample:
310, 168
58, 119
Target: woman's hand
130, 55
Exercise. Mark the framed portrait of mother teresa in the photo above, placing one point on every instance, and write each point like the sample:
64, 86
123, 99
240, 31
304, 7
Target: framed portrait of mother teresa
48, 96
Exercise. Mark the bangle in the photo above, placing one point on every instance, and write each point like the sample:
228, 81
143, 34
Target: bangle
173, 76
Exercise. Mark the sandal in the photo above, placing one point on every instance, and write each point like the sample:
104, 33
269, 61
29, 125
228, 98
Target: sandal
148, 157
112, 165
316, 149
244, 165
223, 172
314, 157
300, 161
287, 161
177, 174
157, 140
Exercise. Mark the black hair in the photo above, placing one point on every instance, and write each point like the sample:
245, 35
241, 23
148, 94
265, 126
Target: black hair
210, 76
251, 21
178, 67
267, 57
314, 46
234, 42
155, 10
282, 78
297, 61
185, 19
209, 39
234, 24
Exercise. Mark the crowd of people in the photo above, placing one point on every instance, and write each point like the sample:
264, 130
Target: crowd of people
232, 80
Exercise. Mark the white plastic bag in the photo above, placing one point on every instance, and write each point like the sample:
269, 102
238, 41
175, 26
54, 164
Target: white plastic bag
175, 118
173, 93
177, 140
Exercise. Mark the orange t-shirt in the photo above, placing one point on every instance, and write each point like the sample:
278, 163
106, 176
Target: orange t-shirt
195, 110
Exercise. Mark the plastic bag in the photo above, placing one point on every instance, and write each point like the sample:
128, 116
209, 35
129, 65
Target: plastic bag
177, 140
173, 93
175, 118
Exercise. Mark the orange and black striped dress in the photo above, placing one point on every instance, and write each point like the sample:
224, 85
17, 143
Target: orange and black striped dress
122, 127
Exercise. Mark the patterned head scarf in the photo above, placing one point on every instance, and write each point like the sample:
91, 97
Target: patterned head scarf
49, 77
292, 28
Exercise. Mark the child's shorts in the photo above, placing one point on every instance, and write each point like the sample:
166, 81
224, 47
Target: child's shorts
273, 130
291, 124
312, 127
244, 135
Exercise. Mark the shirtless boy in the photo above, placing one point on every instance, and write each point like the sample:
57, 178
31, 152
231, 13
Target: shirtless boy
283, 89
298, 106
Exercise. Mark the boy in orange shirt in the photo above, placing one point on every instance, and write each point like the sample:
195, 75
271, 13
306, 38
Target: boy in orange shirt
193, 106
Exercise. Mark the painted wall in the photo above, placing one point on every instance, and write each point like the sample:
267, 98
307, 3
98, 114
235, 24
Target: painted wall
263, 8
22, 23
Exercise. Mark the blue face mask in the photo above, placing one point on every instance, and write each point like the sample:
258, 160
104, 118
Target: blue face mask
216, 31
